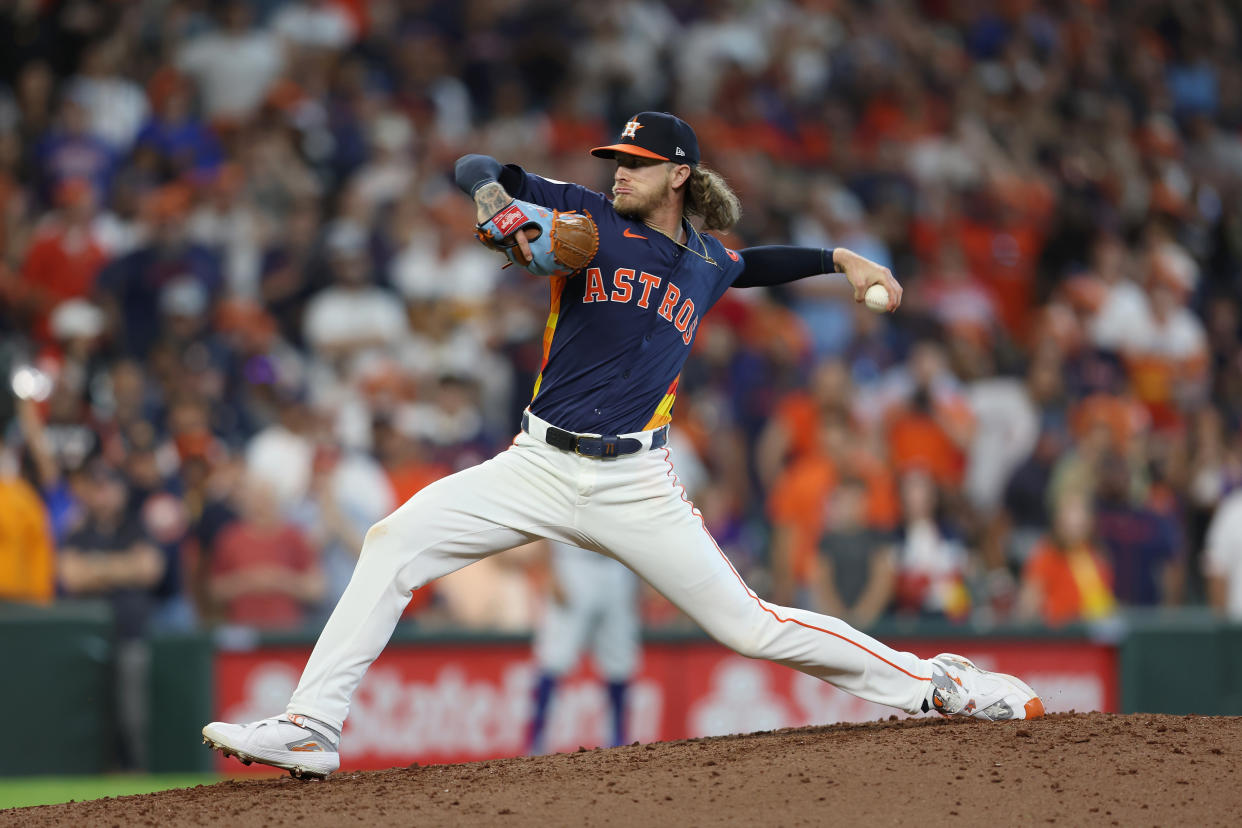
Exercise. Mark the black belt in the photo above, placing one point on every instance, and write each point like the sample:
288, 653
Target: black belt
602, 447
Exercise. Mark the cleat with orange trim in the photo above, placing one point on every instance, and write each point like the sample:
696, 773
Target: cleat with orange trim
959, 688
307, 749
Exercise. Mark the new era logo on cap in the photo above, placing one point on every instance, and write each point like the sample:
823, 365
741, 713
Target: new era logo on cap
656, 135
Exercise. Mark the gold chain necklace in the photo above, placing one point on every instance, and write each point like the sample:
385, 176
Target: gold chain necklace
704, 256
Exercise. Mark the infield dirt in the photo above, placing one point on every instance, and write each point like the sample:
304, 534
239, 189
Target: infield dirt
1067, 769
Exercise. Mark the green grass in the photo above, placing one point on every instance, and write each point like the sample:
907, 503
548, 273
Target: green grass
20, 791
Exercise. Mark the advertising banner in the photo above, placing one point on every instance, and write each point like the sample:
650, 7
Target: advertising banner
432, 703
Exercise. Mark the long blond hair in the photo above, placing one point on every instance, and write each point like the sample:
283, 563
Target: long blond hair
709, 195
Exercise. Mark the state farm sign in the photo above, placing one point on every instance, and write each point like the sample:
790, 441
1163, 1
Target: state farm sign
441, 703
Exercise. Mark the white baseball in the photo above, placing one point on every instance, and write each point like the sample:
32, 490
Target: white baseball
877, 298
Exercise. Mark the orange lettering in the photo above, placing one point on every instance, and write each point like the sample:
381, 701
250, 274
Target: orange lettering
689, 335
649, 282
595, 286
670, 301
621, 280
683, 315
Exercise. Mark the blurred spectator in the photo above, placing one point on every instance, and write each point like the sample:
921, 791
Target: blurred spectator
1110, 292
1166, 347
450, 421
496, 593
64, 255
110, 556
931, 425
69, 152
277, 177
71, 435
932, 564
796, 502
1008, 415
134, 286
322, 24
1215, 470
76, 327
228, 225
210, 481
234, 66
406, 461
1222, 558
1066, 578
155, 498
390, 172
353, 315
957, 300
287, 270
856, 565
281, 456
55, 484
836, 218
1104, 427
1144, 547
264, 573
349, 492
437, 262
27, 552
1021, 426
173, 141
791, 433
116, 107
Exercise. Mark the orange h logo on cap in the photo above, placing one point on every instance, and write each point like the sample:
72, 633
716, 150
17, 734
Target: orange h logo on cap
631, 129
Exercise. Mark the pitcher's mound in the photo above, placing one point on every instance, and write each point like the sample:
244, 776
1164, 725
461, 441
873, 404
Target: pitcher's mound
1067, 769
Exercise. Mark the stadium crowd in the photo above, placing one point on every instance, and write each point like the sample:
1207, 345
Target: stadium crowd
244, 315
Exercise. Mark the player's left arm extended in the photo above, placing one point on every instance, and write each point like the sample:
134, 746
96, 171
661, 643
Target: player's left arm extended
778, 264
478, 176
547, 242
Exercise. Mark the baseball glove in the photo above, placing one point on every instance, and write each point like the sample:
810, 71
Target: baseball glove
566, 241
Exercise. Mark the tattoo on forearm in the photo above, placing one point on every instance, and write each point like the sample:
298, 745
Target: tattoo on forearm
491, 199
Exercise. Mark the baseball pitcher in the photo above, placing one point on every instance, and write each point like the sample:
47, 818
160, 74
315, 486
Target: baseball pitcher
630, 278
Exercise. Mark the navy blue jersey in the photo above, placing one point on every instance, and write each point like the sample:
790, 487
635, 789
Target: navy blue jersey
620, 330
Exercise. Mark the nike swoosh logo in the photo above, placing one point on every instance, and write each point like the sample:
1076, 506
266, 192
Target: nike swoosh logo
626, 232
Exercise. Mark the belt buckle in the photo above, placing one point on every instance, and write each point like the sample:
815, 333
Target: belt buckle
608, 447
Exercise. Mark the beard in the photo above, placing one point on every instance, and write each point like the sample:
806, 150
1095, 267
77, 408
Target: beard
639, 207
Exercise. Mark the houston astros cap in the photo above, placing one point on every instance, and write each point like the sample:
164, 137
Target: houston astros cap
655, 135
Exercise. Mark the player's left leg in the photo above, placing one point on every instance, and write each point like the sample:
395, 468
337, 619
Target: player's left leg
524, 492
661, 536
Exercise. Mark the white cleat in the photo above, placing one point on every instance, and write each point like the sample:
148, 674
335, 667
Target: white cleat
959, 688
299, 745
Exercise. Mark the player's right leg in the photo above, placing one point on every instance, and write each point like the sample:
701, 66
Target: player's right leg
520, 494
665, 541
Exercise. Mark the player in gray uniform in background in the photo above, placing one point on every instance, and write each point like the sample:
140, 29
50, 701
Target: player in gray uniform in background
593, 603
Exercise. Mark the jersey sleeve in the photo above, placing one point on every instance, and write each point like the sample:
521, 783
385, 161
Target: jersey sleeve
548, 192
731, 265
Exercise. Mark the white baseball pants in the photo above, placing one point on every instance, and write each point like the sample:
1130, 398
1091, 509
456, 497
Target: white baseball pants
632, 508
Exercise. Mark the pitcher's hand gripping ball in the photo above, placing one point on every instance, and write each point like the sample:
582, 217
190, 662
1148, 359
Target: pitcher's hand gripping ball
566, 241
877, 298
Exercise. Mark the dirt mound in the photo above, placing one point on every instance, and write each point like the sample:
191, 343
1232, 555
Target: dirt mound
1070, 769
